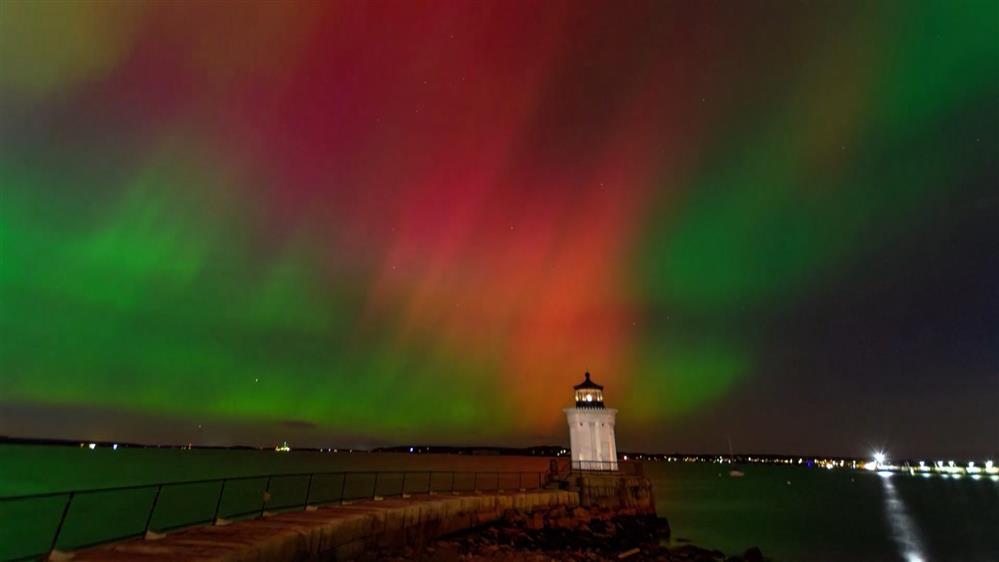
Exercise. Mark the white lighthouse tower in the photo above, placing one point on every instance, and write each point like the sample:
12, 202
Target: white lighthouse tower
591, 429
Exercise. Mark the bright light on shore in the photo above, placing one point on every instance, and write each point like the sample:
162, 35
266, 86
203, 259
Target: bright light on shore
879, 457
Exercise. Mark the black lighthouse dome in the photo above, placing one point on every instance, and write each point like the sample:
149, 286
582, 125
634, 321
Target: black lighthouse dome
589, 394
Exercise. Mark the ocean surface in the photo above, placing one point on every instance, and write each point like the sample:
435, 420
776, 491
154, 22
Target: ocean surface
791, 513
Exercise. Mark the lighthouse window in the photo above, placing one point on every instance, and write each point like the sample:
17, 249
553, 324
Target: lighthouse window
589, 398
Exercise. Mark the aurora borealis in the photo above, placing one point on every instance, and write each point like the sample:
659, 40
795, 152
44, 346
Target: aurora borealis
386, 222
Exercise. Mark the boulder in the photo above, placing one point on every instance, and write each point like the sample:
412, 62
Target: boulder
663, 526
536, 522
753, 554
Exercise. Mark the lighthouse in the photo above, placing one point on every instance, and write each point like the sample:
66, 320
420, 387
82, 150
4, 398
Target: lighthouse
591, 428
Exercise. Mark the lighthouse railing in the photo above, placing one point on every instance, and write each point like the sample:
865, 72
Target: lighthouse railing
633, 468
595, 466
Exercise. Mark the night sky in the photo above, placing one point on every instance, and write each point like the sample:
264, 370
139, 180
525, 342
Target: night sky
370, 223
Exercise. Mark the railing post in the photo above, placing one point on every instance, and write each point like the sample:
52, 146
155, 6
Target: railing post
403, 491
452, 481
374, 487
430, 482
266, 497
475, 484
62, 520
343, 487
497, 481
152, 508
521, 477
308, 492
218, 504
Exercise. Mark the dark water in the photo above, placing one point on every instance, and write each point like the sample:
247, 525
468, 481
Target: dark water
830, 514
821, 515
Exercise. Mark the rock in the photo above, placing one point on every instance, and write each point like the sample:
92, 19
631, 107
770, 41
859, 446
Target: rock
513, 517
695, 554
753, 554
663, 527
559, 535
567, 523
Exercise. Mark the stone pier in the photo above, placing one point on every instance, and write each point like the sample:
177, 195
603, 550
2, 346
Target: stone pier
613, 490
328, 533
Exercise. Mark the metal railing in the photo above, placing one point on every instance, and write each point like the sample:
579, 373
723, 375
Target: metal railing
85, 518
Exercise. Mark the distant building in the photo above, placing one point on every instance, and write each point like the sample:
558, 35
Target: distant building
591, 428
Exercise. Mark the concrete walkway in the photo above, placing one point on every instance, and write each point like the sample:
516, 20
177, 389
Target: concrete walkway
335, 532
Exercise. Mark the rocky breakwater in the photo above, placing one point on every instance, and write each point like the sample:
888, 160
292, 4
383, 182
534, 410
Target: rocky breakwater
564, 534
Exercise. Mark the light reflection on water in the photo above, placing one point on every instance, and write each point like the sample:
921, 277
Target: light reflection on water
903, 528
830, 515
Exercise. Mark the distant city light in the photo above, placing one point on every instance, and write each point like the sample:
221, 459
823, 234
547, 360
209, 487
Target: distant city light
92, 446
410, 449
114, 447
879, 457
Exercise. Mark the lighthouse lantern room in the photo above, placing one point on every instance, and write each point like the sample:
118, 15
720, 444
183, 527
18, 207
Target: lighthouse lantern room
591, 428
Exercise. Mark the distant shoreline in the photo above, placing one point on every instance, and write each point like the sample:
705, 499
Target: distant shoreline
552, 451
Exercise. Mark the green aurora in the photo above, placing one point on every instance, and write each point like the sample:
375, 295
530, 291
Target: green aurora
370, 236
